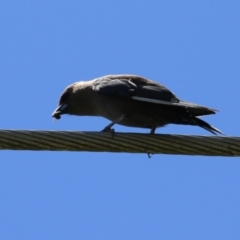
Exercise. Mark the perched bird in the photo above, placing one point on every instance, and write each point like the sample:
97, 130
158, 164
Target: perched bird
132, 101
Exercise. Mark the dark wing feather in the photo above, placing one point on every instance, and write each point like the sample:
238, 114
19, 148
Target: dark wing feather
142, 89
118, 87
133, 86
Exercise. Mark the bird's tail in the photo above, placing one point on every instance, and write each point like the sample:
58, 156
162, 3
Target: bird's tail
206, 126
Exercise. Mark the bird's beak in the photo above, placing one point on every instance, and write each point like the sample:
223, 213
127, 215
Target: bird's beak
59, 111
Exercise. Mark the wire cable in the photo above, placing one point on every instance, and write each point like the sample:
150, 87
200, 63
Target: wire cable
121, 142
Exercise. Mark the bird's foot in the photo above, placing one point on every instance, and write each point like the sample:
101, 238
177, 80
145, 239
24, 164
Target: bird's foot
110, 130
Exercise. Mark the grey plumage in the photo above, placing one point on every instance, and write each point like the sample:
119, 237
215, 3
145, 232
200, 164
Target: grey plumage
131, 101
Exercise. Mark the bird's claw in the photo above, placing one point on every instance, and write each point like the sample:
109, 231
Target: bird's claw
110, 130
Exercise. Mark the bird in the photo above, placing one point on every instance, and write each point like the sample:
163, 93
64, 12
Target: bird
132, 101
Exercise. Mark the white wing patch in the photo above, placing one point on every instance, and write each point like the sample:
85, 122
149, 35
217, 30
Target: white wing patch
131, 83
150, 100
172, 103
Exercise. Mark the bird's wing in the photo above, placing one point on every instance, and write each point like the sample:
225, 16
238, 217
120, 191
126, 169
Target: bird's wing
134, 87
141, 89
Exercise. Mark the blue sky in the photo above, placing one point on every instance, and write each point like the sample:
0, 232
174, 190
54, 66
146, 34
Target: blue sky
192, 47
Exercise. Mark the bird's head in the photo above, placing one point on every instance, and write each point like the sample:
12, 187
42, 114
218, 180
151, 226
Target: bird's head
64, 104
74, 100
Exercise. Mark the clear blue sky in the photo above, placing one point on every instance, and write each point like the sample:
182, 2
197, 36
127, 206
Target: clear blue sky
192, 47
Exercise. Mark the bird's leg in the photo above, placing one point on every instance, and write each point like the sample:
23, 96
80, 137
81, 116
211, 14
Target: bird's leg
108, 127
152, 132
153, 129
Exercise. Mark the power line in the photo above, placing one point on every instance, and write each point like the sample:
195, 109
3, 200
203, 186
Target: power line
121, 142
